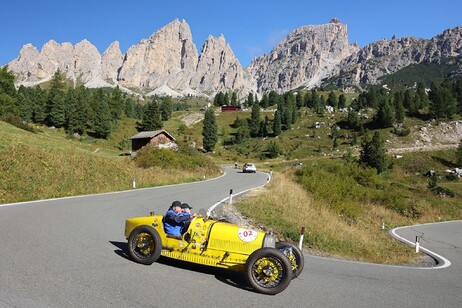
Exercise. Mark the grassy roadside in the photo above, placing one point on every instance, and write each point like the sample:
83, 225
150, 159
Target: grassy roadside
346, 218
46, 165
287, 207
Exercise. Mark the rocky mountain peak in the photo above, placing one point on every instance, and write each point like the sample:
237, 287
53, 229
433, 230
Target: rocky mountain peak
111, 61
169, 57
385, 56
303, 58
218, 69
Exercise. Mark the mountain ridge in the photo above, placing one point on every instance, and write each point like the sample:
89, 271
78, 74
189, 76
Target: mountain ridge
168, 63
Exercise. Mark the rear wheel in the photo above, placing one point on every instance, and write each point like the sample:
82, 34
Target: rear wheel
268, 271
295, 256
144, 245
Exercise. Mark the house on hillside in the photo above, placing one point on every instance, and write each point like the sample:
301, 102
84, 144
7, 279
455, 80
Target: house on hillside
160, 138
230, 108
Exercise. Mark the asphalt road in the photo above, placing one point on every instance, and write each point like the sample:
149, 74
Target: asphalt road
72, 253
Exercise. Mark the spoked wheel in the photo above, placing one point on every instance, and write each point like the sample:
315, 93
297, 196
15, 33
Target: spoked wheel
144, 245
295, 256
268, 271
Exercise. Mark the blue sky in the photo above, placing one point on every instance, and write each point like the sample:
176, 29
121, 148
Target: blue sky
251, 28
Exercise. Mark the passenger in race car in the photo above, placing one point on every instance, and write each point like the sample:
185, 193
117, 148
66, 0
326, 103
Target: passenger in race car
175, 219
187, 209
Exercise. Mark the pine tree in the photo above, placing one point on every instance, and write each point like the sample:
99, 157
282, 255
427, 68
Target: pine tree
242, 131
400, 113
71, 110
55, 104
277, 126
299, 100
79, 111
273, 150
7, 105
422, 94
294, 113
234, 99
373, 152
342, 101
264, 103
442, 103
286, 116
372, 98
335, 134
320, 105
264, 127
38, 97
7, 82
7, 93
273, 98
129, 108
254, 122
219, 99
102, 117
209, 130
226, 99
24, 103
332, 100
116, 103
313, 100
166, 108
151, 117
413, 105
352, 118
385, 115
407, 98
250, 101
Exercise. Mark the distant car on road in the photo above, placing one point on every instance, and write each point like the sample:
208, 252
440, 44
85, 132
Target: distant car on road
249, 168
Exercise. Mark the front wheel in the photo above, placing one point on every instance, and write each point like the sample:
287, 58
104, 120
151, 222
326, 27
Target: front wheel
295, 256
144, 245
268, 271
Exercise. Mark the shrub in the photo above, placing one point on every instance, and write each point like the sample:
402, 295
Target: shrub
185, 158
401, 131
452, 177
16, 121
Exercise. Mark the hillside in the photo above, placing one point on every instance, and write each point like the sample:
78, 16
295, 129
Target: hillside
47, 164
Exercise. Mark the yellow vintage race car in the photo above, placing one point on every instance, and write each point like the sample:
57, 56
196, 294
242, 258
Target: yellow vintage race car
268, 266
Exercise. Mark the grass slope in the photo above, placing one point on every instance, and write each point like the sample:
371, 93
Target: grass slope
47, 165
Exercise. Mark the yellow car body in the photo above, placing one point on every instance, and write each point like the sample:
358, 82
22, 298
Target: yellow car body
268, 268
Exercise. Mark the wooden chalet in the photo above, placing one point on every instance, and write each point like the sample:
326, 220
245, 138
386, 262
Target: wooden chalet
156, 137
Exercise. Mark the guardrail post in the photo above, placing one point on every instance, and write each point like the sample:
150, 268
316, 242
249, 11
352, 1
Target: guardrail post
302, 235
231, 196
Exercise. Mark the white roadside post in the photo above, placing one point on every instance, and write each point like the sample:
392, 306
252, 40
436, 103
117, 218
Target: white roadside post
231, 196
134, 183
417, 244
302, 235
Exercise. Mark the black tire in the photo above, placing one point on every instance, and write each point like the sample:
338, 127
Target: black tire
297, 259
268, 271
144, 245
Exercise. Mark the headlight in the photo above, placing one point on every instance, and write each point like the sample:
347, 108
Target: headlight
269, 240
